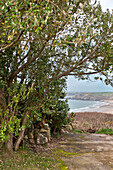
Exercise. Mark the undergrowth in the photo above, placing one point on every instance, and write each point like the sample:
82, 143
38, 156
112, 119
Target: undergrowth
25, 159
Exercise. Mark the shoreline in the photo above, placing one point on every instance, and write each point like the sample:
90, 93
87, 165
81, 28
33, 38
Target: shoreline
107, 107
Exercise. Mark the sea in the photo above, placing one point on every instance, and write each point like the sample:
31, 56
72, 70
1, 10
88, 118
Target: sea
84, 105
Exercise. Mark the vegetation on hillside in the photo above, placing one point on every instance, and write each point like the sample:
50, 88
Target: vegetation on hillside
94, 122
92, 96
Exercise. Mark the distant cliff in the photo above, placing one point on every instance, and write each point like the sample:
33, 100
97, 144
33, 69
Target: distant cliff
91, 96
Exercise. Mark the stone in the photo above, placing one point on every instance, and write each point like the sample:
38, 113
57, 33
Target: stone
69, 127
64, 131
31, 141
43, 136
41, 139
46, 126
30, 135
39, 136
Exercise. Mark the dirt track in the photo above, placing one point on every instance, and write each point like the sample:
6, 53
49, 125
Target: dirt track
86, 152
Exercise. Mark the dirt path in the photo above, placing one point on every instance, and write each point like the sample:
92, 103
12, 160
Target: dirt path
85, 152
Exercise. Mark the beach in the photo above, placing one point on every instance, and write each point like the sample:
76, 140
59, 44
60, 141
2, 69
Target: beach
106, 108
103, 106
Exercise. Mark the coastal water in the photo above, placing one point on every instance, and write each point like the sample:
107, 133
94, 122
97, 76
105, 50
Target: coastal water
84, 105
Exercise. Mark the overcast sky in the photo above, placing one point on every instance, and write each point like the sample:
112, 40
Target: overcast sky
106, 4
74, 85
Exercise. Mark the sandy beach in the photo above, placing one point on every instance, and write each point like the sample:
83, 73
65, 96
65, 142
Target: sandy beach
107, 108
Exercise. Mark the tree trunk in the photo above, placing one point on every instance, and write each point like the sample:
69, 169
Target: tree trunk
9, 144
2, 101
20, 138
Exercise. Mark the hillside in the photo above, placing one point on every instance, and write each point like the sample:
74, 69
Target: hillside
91, 96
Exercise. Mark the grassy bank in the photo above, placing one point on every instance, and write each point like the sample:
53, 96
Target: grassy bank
86, 121
26, 159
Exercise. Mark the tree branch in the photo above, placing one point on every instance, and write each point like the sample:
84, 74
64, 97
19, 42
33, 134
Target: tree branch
23, 58
12, 43
27, 63
75, 74
20, 137
73, 68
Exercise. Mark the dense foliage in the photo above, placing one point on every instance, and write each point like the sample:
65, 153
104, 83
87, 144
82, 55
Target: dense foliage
41, 42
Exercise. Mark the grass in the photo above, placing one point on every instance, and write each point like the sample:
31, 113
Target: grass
58, 154
105, 131
63, 153
62, 165
77, 131
102, 93
25, 159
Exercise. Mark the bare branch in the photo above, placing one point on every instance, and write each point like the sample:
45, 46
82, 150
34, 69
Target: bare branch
76, 74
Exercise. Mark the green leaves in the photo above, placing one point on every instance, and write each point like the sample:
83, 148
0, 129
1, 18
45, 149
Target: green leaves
38, 29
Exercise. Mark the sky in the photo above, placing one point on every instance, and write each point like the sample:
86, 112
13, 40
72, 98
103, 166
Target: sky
106, 4
73, 85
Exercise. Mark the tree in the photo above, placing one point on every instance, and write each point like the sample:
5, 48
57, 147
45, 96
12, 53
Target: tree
71, 37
